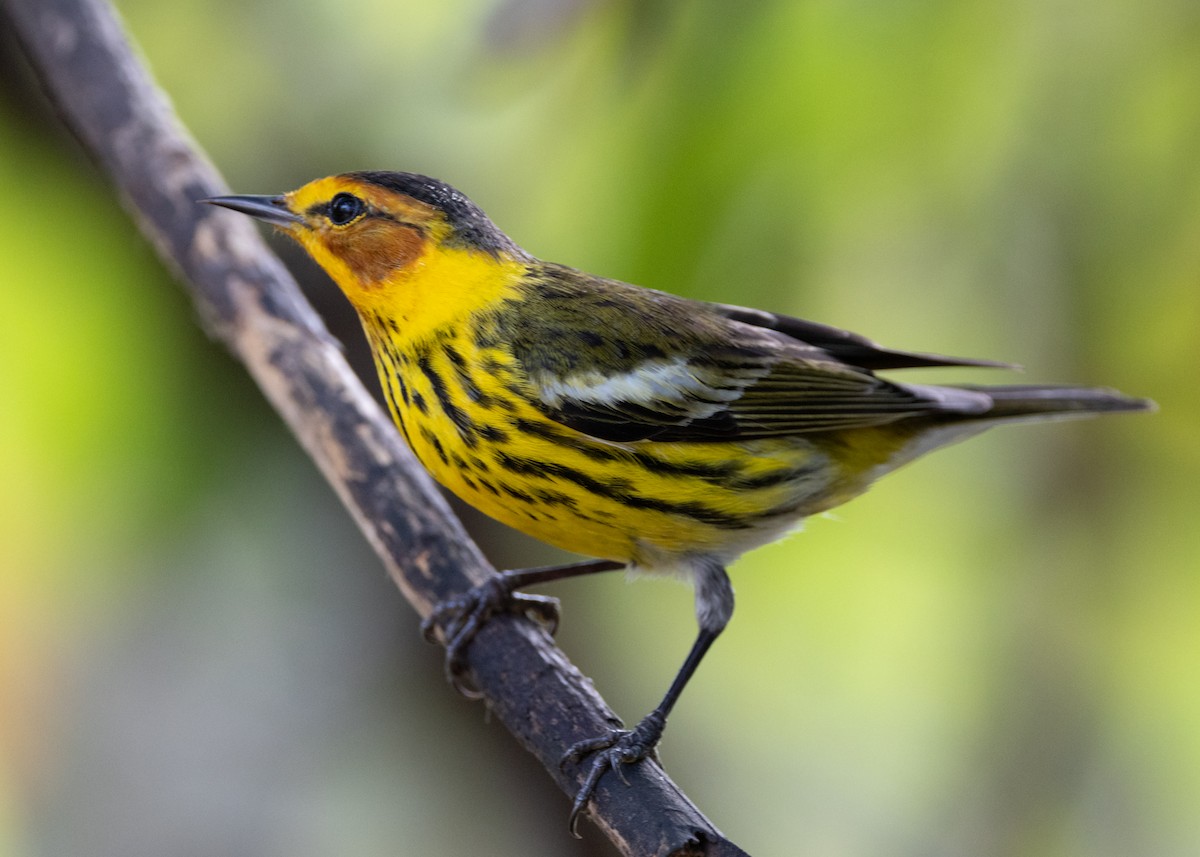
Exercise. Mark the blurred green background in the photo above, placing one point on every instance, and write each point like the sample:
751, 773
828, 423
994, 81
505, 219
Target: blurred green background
995, 652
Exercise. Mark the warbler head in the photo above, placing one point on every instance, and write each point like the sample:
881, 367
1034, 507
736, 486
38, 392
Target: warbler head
372, 230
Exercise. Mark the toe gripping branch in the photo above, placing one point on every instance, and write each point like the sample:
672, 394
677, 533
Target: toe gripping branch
611, 752
460, 618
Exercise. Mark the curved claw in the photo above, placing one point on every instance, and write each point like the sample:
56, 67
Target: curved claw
613, 751
581, 799
460, 619
541, 608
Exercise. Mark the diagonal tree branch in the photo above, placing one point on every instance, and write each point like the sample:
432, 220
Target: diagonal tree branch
247, 300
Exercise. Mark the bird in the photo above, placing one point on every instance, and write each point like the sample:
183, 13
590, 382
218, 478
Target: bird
642, 430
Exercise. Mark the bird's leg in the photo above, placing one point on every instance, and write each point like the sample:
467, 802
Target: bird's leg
714, 606
460, 618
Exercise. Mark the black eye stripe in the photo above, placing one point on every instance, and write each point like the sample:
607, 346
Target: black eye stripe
344, 208
326, 210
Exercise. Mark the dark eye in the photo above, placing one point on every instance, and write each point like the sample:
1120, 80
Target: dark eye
345, 207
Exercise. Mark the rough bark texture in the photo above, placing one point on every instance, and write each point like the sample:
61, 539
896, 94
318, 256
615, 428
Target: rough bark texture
247, 299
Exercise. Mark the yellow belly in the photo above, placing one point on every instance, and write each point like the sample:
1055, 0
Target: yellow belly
469, 422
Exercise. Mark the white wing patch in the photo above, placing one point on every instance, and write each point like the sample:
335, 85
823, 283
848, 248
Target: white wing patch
651, 385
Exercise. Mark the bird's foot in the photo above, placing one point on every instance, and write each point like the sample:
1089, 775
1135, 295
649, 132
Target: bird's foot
459, 620
610, 752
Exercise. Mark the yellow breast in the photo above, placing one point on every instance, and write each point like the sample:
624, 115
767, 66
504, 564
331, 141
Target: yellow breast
474, 419
470, 416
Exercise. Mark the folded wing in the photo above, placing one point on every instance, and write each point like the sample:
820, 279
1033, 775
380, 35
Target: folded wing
736, 374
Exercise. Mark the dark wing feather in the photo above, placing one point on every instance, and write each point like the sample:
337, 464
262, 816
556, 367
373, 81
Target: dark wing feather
658, 367
846, 346
702, 399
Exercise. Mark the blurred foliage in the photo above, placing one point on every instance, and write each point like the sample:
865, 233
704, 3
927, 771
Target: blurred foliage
993, 653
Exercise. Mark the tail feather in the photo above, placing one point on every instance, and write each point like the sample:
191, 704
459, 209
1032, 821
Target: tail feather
970, 410
1034, 401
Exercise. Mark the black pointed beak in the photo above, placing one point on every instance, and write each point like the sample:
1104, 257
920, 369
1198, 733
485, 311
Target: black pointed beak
272, 209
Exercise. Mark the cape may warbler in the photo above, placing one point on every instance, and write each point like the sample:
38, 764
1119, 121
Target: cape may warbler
652, 432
